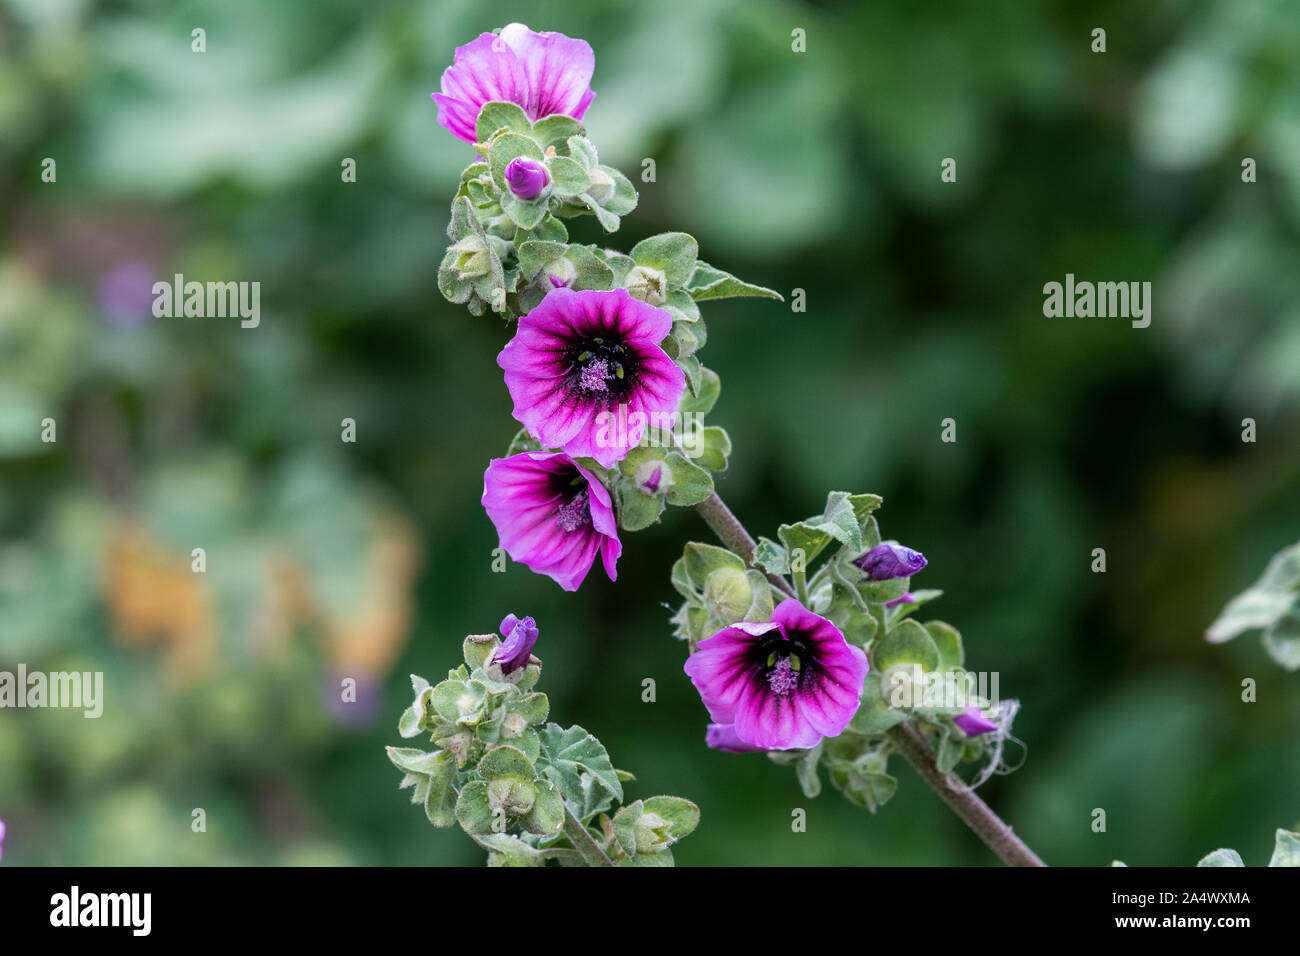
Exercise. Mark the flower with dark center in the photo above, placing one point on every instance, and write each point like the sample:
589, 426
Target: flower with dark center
526, 177
520, 635
543, 73
780, 685
889, 560
587, 374
552, 515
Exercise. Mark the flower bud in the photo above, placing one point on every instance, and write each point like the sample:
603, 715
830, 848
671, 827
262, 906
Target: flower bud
648, 285
973, 722
513, 726
728, 594
520, 635
889, 560
512, 795
526, 177
653, 833
472, 258
654, 477
601, 185
561, 272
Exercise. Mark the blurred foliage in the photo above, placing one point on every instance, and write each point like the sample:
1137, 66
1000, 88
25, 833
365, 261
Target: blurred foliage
816, 171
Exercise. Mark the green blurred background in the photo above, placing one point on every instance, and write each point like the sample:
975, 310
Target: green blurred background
817, 171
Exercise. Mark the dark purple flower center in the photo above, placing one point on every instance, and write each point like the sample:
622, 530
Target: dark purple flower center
601, 368
785, 665
574, 510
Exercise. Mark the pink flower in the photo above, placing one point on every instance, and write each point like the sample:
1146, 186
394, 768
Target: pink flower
543, 73
552, 515
587, 374
783, 685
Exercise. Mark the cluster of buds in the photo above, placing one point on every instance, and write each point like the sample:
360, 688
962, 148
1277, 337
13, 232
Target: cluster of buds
526, 790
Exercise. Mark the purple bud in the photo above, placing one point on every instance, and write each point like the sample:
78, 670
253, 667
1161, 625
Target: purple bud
973, 722
520, 635
904, 598
889, 560
526, 177
651, 483
2, 838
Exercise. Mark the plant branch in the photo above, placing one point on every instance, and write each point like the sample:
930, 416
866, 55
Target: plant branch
582, 841
977, 814
988, 826
734, 537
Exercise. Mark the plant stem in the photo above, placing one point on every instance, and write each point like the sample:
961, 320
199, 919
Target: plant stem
988, 826
582, 841
734, 536
977, 814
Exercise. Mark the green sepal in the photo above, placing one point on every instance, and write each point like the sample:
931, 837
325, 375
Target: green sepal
555, 130
1222, 857
1286, 850
672, 253
705, 396
682, 815
706, 282
948, 642
547, 814
691, 483
637, 509
498, 115
715, 448
909, 643
703, 559
568, 177
473, 810
478, 648
874, 715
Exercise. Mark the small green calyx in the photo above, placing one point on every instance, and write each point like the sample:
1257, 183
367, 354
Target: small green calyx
648, 284
600, 184
473, 260
728, 594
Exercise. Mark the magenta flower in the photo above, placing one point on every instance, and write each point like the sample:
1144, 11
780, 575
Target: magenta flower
973, 722
889, 560
552, 515
520, 635
543, 73
782, 685
526, 177
587, 374
2, 839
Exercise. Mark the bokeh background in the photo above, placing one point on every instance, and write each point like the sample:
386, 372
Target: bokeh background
818, 171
